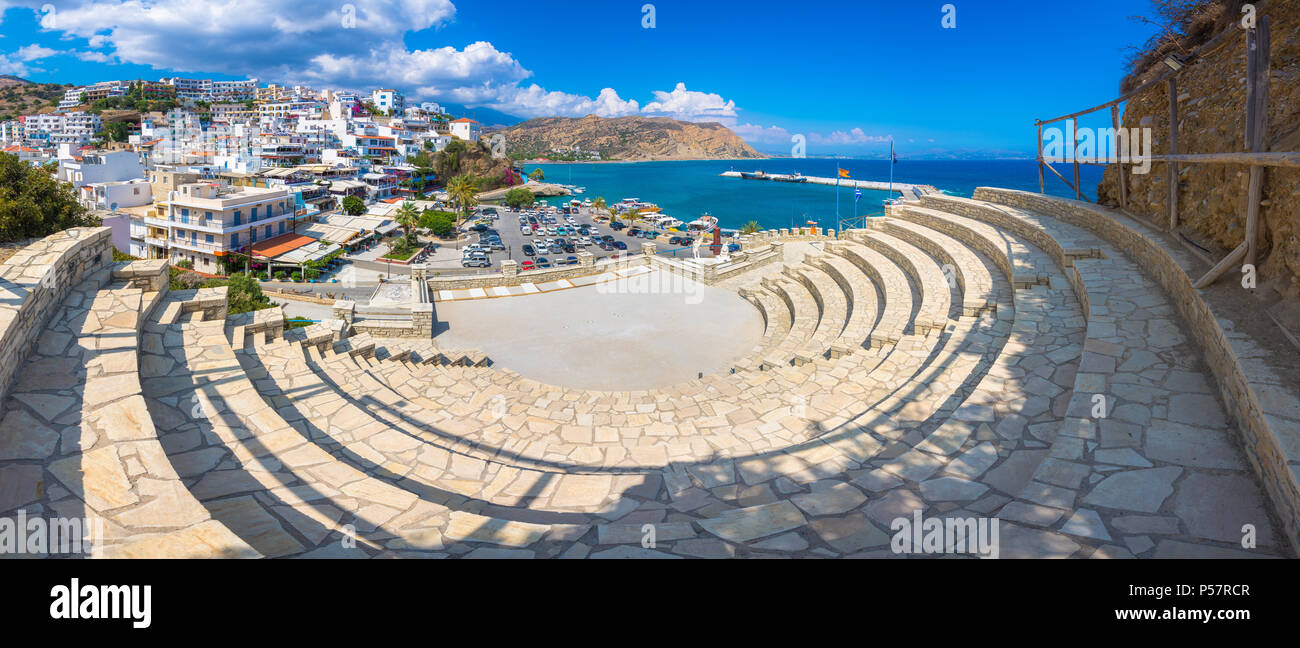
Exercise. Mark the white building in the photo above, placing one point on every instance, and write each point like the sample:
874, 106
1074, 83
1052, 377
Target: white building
100, 167
466, 129
12, 132
389, 102
111, 196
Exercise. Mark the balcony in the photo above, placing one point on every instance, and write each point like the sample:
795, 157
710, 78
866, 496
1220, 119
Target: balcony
187, 244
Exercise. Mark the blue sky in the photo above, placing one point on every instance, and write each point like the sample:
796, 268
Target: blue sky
848, 76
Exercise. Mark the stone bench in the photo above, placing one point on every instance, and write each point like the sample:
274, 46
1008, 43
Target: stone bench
862, 300
896, 317
971, 274
936, 293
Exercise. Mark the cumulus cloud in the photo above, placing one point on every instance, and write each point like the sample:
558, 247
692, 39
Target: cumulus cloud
755, 134
34, 52
841, 138
689, 105
265, 38
15, 68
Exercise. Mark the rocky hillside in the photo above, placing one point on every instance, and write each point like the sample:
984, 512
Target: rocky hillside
626, 138
22, 97
1212, 197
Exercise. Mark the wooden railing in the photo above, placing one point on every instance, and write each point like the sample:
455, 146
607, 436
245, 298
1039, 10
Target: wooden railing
1257, 157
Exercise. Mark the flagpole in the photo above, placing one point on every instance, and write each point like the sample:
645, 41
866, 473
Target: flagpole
891, 169
837, 188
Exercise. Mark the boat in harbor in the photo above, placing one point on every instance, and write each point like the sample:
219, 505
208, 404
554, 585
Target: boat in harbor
754, 175
793, 177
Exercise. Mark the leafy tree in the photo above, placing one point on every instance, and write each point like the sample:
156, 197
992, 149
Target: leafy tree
354, 206
750, 227
441, 223
244, 294
32, 203
537, 175
520, 197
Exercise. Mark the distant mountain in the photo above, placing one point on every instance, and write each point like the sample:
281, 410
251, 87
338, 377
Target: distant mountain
488, 117
627, 138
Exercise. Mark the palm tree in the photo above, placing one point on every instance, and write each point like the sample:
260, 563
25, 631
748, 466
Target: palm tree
462, 189
750, 227
407, 216
599, 203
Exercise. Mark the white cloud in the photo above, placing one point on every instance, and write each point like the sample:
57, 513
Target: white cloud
266, 38
689, 105
841, 138
535, 101
94, 57
34, 52
756, 134
15, 68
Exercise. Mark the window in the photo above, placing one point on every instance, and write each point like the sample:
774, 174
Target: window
268, 231
238, 216
282, 227
234, 240
253, 217
252, 235
210, 240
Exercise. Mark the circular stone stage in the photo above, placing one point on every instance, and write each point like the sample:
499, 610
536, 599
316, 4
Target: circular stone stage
641, 333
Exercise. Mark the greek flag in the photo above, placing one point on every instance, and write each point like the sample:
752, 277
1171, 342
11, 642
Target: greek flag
857, 194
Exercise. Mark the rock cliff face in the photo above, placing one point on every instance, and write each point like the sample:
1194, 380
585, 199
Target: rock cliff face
628, 138
1212, 119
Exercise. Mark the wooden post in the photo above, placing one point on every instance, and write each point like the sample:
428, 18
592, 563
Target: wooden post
1172, 167
1257, 127
1125, 146
1074, 143
1041, 187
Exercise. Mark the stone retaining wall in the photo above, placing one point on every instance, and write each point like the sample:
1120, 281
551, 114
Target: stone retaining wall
35, 281
1251, 391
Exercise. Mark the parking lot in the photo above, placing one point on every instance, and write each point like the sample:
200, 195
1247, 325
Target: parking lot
507, 227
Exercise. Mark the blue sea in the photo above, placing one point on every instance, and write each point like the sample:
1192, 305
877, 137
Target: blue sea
685, 190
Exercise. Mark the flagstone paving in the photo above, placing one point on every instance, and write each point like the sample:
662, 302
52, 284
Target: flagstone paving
897, 375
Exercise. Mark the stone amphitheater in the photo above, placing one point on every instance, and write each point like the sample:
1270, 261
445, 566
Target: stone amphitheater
1041, 361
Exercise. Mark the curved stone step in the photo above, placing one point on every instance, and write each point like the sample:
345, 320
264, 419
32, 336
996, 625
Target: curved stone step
891, 282
972, 276
79, 410
936, 293
830, 299
863, 301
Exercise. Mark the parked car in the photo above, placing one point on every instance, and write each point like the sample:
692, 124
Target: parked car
527, 265
528, 250
619, 245
543, 262
475, 261
573, 260
635, 231
526, 230
733, 247
569, 248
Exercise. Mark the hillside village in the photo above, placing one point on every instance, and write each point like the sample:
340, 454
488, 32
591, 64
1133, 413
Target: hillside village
181, 168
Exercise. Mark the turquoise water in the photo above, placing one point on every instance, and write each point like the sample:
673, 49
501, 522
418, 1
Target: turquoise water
687, 189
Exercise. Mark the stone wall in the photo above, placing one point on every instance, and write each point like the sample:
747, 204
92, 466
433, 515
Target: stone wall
1258, 406
1212, 119
35, 281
